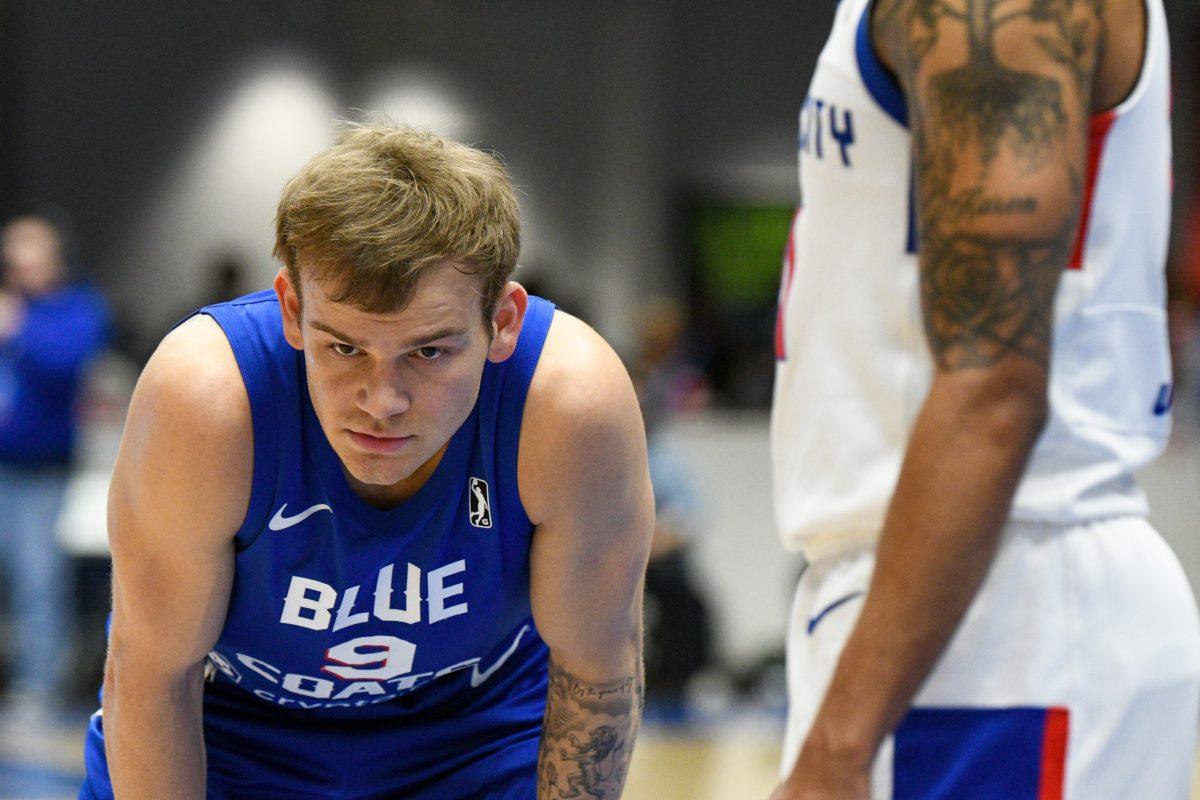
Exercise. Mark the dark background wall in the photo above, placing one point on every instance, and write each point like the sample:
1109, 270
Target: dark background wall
606, 112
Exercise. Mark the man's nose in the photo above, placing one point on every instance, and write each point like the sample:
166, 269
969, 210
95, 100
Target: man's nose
385, 394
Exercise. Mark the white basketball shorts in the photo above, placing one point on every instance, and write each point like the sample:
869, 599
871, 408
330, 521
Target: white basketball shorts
1075, 674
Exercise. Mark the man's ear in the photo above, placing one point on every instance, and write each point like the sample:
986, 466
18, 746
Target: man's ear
507, 320
289, 308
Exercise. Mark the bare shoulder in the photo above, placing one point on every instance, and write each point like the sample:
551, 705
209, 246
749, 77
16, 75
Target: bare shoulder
917, 37
194, 370
581, 415
578, 372
188, 438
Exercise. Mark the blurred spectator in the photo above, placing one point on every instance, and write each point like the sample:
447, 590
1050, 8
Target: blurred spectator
50, 328
104, 396
1184, 274
678, 625
667, 380
1185, 287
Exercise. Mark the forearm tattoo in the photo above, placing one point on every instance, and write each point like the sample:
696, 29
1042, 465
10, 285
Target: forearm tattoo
587, 736
985, 130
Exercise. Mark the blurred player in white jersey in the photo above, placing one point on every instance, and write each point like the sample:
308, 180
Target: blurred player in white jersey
973, 362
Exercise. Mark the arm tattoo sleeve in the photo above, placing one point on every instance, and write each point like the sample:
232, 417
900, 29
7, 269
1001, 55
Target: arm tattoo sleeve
587, 736
999, 143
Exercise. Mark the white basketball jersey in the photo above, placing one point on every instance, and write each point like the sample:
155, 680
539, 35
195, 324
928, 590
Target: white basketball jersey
854, 366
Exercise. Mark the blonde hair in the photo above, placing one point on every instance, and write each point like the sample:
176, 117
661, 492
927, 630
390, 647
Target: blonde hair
371, 212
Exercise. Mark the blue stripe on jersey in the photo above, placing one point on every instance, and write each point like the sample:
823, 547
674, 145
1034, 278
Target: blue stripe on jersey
879, 81
980, 753
369, 652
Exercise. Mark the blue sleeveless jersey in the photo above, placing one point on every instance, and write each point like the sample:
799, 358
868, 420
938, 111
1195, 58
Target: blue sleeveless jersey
370, 653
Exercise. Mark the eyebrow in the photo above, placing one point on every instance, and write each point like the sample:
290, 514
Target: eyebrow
441, 333
334, 332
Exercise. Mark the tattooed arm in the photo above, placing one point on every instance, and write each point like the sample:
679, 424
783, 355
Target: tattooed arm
998, 92
585, 485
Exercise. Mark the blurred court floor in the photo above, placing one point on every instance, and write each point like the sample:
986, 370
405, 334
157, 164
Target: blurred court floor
734, 756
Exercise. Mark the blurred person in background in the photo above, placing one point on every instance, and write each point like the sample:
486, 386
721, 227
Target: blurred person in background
50, 329
1184, 273
1185, 299
986, 611
678, 621
381, 531
668, 381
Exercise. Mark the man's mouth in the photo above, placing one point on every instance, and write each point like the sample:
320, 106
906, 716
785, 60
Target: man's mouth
379, 444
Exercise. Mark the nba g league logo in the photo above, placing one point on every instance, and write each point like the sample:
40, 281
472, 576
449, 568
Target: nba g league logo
480, 513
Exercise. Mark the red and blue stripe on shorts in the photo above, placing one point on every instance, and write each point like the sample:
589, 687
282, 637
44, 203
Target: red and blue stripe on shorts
981, 754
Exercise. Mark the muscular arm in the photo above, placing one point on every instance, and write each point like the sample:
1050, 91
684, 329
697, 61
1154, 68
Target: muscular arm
585, 483
179, 491
999, 93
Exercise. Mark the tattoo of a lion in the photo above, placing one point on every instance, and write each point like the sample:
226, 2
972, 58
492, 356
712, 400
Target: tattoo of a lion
590, 757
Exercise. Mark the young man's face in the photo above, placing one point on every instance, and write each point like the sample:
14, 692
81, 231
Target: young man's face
31, 255
391, 389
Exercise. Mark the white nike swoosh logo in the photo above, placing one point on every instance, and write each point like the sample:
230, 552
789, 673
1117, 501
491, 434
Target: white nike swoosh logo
279, 521
477, 677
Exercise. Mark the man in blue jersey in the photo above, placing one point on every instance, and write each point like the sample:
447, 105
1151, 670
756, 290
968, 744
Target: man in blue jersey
51, 328
396, 510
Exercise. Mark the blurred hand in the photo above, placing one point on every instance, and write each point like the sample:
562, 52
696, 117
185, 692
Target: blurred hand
12, 313
824, 777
